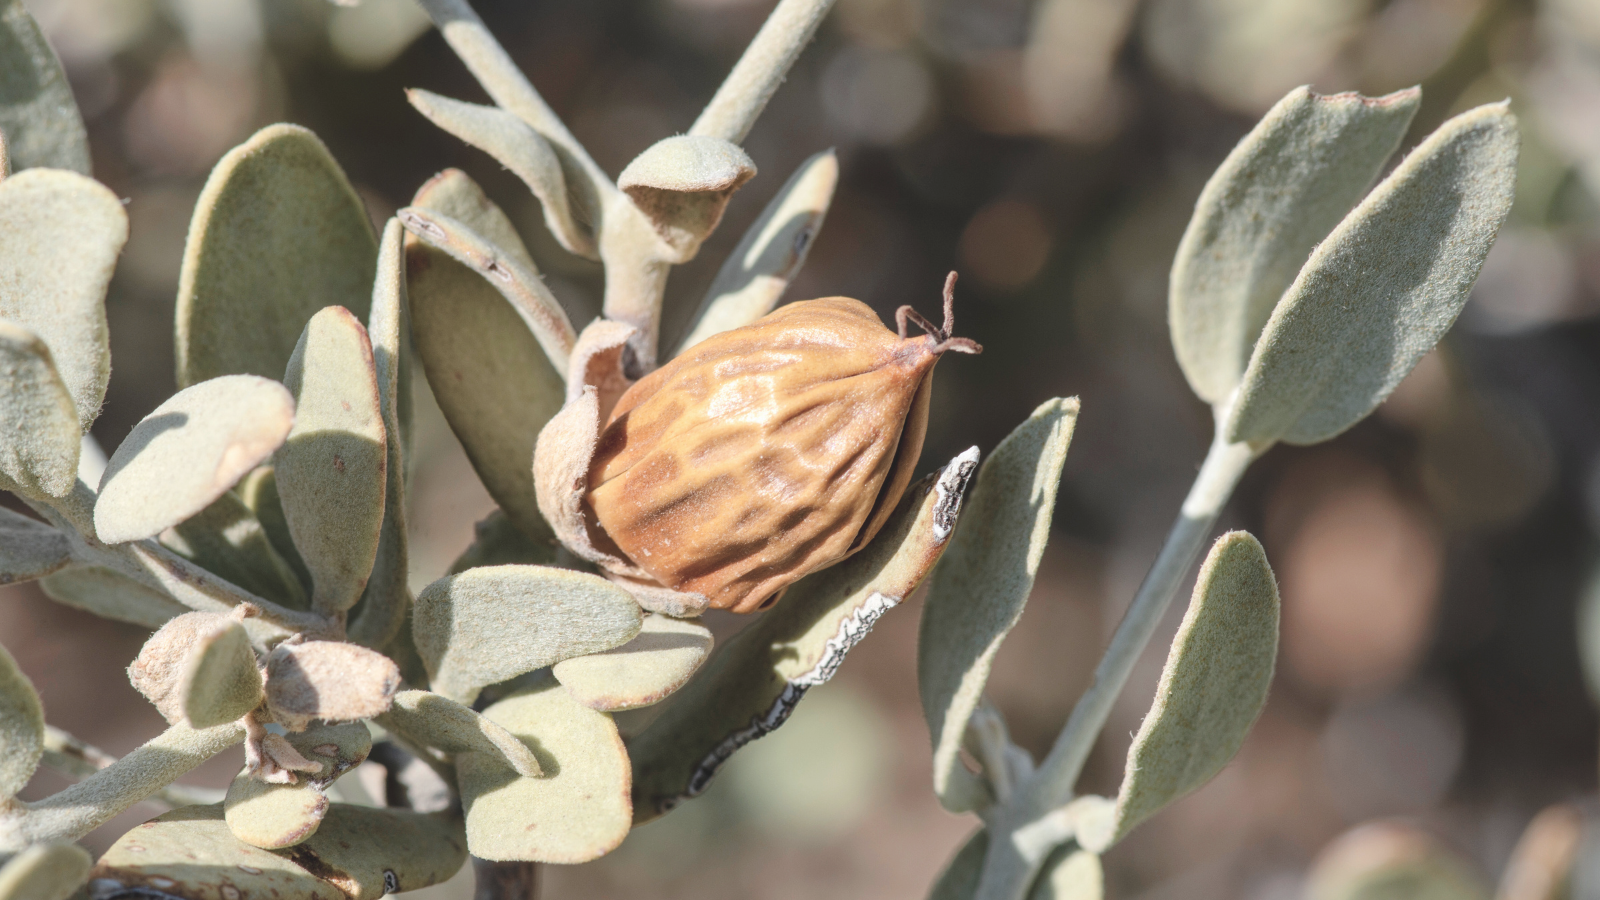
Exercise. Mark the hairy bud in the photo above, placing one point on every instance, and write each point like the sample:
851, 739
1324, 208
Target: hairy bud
767, 452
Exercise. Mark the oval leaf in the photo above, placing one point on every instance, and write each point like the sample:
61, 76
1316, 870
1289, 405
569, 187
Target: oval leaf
487, 625
978, 591
1383, 288
497, 388
39, 439
273, 816
189, 452
111, 595
771, 252
751, 685
578, 812
519, 148
427, 719
642, 672
30, 549
45, 872
1286, 185
21, 727
370, 853
38, 115
329, 680
221, 681
278, 233
331, 472
1212, 688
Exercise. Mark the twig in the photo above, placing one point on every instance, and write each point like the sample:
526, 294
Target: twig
74, 758
757, 74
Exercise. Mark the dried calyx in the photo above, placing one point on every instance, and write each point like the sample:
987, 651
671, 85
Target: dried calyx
766, 452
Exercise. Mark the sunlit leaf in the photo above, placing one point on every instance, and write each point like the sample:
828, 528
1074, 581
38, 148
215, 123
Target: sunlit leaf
111, 595
21, 727
682, 184
430, 720
38, 427
644, 671
330, 680
44, 872
221, 681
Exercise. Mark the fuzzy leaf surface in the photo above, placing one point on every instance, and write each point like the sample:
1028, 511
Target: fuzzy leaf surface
682, 184
273, 816
431, 720
111, 595
38, 115
642, 672
39, 437
278, 234
1071, 873
578, 811
21, 727
1212, 687
1281, 190
189, 452
329, 680
494, 383
750, 686
227, 539
30, 549
487, 625
1383, 288
331, 473
45, 872
221, 681
977, 592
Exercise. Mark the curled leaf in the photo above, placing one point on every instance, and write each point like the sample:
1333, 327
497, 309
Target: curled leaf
519, 148
220, 681
642, 672
1383, 288
278, 233
329, 680
30, 549
38, 114
488, 625
39, 441
682, 184
45, 872
21, 727
188, 452
978, 591
163, 667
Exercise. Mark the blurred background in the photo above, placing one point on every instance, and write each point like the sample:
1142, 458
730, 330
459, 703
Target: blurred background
1435, 561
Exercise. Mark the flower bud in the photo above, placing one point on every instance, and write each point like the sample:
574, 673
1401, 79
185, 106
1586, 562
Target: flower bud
767, 452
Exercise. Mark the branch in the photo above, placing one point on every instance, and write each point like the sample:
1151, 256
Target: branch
73, 758
755, 78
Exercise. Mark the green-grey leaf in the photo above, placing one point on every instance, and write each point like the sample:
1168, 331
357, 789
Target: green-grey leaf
1071, 873
38, 115
1383, 288
278, 234
259, 491
642, 672
578, 811
1286, 185
978, 591
111, 595
331, 471
39, 438
220, 680
519, 148
486, 625
45, 872
497, 542
1212, 688
427, 719
188, 452
520, 286
63, 234
771, 252
227, 539
370, 853
749, 687
30, 549
21, 727
959, 880
379, 616
682, 184
497, 388
273, 816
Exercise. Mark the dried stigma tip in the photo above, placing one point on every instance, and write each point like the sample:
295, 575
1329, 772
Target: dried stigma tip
942, 335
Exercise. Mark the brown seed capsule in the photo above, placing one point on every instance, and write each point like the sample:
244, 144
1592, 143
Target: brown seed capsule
767, 452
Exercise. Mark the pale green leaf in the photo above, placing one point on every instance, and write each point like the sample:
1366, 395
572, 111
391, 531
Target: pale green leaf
519, 285
427, 719
1071, 873
259, 491
1281, 190
21, 727
1383, 288
30, 549
188, 452
111, 595
330, 680
331, 471
519, 148
39, 438
273, 816
497, 388
278, 234
38, 115
1212, 688
370, 853
228, 540
220, 679
749, 687
771, 252
642, 672
498, 542
487, 625
959, 880
45, 872
978, 591
682, 184
1390, 861
578, 811
378, 617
